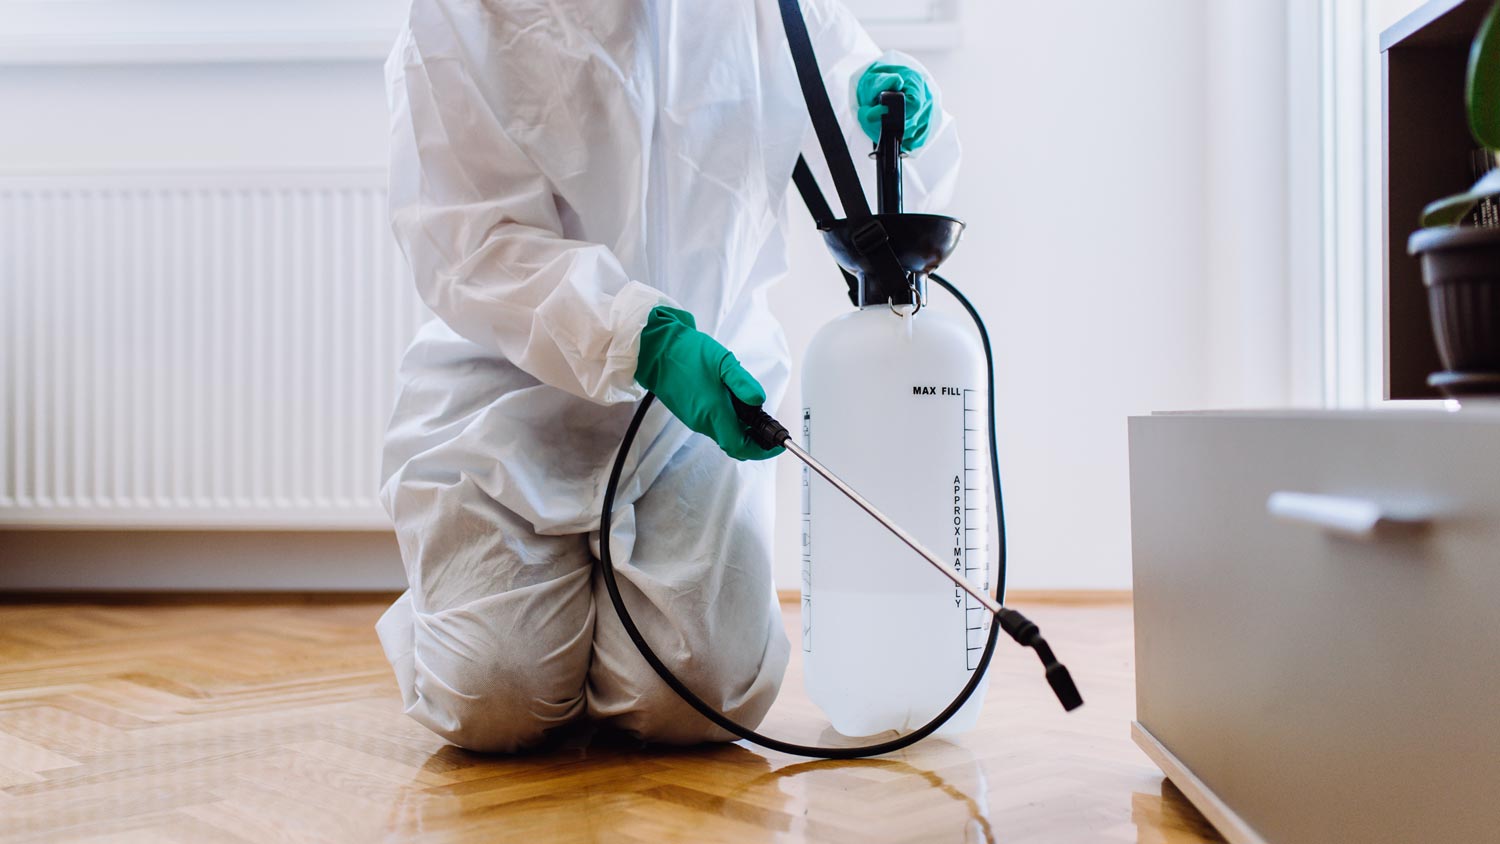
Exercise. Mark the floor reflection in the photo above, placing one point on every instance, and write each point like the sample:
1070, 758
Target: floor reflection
602, 788
1168, 816
888, 796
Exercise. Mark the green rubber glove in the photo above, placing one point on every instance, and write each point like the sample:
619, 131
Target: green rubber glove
693, 376
880, 77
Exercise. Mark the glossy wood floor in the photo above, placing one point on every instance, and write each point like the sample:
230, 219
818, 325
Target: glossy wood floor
263, 720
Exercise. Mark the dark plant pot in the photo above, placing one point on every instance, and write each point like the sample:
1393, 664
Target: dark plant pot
1461, 267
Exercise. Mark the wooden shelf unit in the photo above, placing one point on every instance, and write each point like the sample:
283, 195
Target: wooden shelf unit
1427, 156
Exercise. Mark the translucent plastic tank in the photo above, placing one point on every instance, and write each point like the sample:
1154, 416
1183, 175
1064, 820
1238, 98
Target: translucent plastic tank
896, 406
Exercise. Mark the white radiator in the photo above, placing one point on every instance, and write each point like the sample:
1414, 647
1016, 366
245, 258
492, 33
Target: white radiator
197, 349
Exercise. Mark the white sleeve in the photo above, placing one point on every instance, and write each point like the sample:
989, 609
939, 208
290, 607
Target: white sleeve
844, 51
479, 225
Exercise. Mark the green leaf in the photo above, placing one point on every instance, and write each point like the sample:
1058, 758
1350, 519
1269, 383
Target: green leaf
1451, 210
1483, 86
1447, 211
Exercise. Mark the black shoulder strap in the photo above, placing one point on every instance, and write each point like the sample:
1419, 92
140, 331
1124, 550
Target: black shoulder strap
817, 206
825, 124
812, 195
867, 235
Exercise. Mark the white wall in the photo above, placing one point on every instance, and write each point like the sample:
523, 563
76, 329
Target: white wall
1384, 13
256, 115
1087, 189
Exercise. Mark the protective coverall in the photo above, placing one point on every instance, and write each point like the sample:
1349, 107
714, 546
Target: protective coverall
557, 170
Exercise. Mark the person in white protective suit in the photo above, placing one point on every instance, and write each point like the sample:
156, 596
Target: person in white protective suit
563, 174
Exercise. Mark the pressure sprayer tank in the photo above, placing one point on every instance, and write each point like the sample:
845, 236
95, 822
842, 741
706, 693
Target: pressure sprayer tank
895, 402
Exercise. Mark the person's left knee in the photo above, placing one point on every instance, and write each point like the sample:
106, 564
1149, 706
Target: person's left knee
658, 714
743, 692
485, 691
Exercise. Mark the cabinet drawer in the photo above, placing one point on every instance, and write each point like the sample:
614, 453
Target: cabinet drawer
1331, 673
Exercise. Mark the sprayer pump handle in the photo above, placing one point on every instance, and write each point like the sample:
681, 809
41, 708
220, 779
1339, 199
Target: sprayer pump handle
761, 426
893, 122
888, 153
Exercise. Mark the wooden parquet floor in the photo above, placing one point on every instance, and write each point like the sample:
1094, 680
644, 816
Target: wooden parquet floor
267, 720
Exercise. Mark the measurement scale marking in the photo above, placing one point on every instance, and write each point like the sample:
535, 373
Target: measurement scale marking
975, 615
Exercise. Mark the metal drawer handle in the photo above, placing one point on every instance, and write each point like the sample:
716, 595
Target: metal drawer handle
1356, 517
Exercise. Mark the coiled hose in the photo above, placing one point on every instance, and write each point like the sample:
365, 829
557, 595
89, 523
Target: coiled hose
1012, 622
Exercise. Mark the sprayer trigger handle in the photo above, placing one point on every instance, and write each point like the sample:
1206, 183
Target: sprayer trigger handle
762, 427
746, 412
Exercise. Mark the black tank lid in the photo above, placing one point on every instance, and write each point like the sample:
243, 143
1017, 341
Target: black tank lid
886, 257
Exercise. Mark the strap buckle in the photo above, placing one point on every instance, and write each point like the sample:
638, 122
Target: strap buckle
870, 239
869, 236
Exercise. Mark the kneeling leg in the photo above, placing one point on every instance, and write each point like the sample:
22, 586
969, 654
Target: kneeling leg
693, 557
490, 644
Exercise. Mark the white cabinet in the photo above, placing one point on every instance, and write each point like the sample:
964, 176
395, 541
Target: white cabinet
1317, 602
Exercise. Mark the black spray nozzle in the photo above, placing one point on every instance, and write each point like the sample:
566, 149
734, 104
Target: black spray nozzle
762, 427
888, 152
1028, 635
1062, 686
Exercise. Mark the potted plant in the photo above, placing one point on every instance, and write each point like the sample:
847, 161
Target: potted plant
1459, 242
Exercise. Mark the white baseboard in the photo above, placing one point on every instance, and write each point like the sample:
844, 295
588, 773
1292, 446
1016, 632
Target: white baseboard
191, 561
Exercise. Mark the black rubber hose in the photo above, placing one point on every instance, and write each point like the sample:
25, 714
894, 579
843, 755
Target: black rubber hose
607, 568
989, 373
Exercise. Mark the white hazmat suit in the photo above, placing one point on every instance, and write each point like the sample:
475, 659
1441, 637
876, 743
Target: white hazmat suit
559, 169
